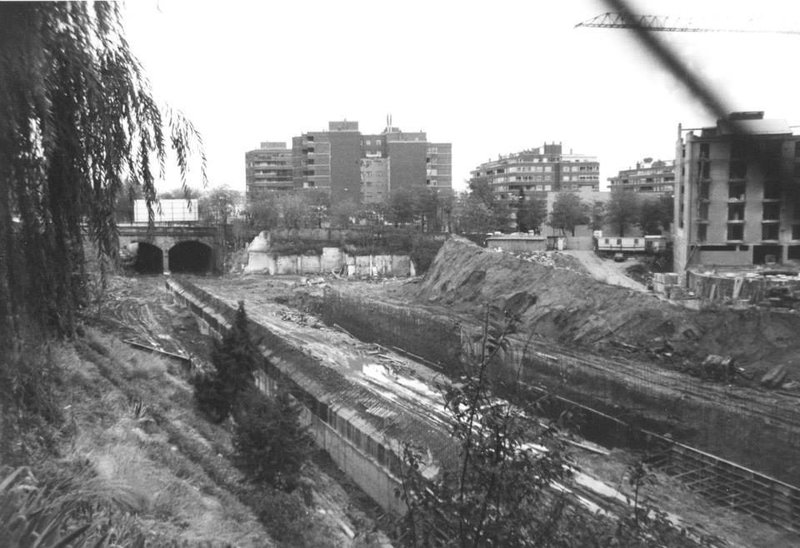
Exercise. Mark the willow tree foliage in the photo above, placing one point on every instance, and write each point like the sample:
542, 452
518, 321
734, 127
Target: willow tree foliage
77, 120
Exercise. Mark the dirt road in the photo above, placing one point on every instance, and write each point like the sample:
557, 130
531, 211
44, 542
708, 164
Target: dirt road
606, 270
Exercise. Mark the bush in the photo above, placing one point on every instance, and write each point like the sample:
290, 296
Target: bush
235, 360
270, 443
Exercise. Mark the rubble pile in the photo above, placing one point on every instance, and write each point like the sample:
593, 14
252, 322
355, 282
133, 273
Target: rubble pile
552, 259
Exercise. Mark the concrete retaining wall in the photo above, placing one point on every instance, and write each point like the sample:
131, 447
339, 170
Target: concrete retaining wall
331, 259
621, 401
413, 330
370, 459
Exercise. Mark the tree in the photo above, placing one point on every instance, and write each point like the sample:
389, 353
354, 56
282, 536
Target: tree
188, 193
263, 214
497, 492
218, 204
270, 443
568, 212
481, 190
77, 118
402, 206
531, 213
655, 215
597, 215
473, 216
235, 361
343, 212
622, 210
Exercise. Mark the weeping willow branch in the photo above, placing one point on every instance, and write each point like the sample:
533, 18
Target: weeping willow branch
77, 120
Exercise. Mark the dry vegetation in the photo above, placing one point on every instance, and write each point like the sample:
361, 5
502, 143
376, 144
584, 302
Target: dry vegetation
127, 419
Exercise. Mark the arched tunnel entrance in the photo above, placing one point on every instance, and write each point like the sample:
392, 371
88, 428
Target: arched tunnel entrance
192, 256
149, 259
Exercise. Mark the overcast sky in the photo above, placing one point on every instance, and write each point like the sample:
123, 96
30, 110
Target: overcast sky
491, 77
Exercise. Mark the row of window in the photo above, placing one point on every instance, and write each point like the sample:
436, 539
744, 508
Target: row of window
737, 190
742, 149
735, 232
738, 169
538, 169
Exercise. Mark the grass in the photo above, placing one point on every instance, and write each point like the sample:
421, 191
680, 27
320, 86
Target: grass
129, 418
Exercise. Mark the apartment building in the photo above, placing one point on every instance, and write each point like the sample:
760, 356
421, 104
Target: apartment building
737, 193
268, 168
649, 176
366, 168
542, 169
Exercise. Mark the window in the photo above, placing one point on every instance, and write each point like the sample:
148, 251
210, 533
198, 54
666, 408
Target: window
769, 231
795, 232
738, 170
735, 231
772, 211
705, 170
704, 150
772, 190
738, 149
736, 190
703, 212
702, 231
736, 212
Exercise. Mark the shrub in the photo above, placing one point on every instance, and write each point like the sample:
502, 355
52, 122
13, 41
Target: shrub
270, 443
235, 360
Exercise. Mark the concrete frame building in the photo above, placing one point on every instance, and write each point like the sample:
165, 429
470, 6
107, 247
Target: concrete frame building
737, 193
268, 168
649, 176
542, 169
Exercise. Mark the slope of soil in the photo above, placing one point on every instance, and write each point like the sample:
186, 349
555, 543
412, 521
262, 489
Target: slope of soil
130, 416
575, 308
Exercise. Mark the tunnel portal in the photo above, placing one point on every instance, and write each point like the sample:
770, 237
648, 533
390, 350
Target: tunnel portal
191, 256
149, 259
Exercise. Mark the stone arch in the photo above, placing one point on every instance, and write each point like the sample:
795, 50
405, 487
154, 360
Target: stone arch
149, 258
191, 256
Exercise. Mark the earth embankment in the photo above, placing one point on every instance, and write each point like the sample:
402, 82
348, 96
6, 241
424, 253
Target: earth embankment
574, 308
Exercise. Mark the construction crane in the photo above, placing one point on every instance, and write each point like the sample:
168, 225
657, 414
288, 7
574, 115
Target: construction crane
662, 23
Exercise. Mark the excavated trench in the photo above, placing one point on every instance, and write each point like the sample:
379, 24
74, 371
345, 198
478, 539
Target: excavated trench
736, 449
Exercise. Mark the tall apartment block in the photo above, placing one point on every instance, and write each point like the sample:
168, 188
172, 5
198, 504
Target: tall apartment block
542, 169
268, 168
649, 176
737, 193
367, 168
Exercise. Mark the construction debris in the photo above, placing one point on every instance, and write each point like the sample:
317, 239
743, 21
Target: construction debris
775, 377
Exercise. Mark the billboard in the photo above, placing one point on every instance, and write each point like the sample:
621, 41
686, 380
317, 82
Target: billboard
172, 211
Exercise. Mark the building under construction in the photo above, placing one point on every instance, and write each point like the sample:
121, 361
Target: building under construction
737, 193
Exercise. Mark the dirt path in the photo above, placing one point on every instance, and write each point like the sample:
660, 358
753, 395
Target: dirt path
606, 270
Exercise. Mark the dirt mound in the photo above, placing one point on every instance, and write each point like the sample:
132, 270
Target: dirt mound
572, 307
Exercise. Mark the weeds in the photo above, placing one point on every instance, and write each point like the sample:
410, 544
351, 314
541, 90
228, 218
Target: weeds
69, 508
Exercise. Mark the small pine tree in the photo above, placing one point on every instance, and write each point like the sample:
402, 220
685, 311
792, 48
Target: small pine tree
235, 360
271, 444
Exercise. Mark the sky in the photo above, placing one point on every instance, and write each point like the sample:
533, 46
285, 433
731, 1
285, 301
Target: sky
490, 77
